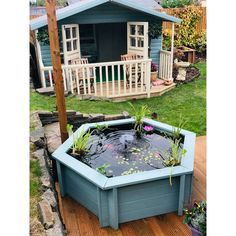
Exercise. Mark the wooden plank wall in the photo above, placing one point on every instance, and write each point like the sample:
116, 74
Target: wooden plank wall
201, 26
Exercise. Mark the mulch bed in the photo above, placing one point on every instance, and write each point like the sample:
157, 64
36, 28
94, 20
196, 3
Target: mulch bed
192, 73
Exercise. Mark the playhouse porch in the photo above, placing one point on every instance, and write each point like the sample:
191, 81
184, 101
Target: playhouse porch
119, 80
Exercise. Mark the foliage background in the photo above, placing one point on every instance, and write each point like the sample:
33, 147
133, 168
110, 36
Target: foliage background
186, 33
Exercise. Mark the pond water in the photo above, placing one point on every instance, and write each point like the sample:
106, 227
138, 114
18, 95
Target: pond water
124, 152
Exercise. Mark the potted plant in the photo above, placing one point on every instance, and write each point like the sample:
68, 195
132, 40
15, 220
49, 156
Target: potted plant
153, 72
196, 218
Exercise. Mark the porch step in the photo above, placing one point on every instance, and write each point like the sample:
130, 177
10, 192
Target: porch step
162, 90
48, 91
155, 92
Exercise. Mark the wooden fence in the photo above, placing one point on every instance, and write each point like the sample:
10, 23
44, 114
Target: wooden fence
201, 26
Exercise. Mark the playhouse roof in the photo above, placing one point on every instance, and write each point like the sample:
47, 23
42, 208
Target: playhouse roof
85, 5
153, 4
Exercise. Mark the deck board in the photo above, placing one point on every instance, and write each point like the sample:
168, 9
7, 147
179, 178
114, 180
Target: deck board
79, 221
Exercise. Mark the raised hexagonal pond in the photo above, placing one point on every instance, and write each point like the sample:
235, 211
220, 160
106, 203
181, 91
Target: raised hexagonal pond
123, 177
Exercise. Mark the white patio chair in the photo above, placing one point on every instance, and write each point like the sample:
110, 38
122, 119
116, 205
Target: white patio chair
83, 76
131, 76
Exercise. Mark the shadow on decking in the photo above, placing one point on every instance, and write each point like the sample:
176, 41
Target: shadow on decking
79, 221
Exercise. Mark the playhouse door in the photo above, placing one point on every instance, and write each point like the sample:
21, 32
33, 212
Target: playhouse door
137, 38
71, 42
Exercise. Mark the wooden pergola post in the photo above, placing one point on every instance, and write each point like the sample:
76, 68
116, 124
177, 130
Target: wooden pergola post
57, 71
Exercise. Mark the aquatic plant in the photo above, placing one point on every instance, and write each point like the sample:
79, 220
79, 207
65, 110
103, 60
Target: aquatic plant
102, 169
101, 128
175, 156
176, 130
79, 146
70, 132
131, 171
139, 115
148, 128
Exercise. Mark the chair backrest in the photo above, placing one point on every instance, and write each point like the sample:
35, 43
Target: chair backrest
128, 57
79, 61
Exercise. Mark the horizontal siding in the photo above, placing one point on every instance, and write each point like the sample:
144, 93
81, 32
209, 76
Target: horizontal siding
147, 199
81, 190
46, 55
156, 45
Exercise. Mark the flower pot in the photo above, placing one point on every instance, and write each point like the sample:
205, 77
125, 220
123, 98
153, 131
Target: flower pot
154, 76
194, 231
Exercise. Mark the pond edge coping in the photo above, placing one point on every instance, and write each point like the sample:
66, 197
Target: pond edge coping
101, 181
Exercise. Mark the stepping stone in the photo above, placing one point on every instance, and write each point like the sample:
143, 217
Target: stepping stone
46, 91
46, 214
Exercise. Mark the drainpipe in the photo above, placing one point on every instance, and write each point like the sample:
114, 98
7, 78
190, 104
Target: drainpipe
40, 61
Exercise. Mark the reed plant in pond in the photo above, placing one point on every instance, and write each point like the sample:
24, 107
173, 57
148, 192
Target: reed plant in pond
139, 115
176, 130
80, 143
175, 156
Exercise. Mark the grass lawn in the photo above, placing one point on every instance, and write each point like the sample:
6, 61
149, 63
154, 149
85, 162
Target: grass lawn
187, 101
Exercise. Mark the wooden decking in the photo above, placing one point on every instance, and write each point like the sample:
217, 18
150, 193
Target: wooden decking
80, 222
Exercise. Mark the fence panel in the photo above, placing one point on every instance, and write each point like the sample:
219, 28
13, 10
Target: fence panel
201, 25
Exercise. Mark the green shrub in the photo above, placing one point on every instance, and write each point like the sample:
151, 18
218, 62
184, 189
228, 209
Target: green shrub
43, 37
175, 3
186, 33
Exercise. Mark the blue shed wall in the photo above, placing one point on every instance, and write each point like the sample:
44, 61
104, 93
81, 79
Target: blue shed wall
46, 54
156, 45
107, 13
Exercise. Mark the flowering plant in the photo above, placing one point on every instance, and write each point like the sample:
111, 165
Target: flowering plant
148, 128
196, 217
153, 67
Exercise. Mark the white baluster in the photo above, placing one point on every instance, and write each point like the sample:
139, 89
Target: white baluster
77, 80
124, 76
130, 78
50, 78
113, 80
88, 79
101, 81
141, 64
84, 81
118, 68
107, 81
136, 77
64, 79
71, 81
94, 82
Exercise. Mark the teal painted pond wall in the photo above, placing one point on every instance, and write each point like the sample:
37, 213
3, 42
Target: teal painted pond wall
126, 203
130, 197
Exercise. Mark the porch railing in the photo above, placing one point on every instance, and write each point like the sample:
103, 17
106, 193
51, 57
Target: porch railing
108, 79
165, 65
